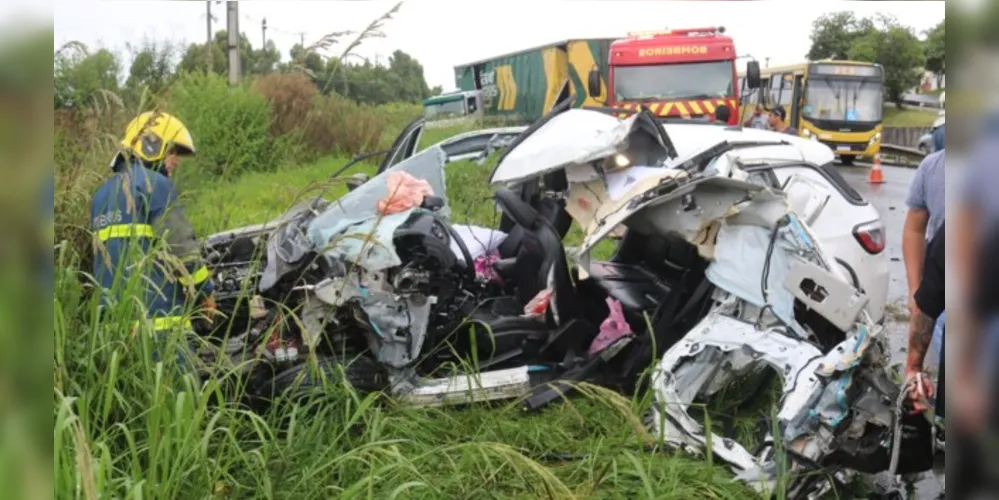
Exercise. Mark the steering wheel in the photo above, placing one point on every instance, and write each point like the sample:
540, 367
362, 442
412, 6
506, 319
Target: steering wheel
434, 204
465, 254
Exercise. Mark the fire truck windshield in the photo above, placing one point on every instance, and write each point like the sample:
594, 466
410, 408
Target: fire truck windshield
701, 80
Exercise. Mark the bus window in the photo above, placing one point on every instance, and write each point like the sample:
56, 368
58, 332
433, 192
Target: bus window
796, 101
774, 97
787, 90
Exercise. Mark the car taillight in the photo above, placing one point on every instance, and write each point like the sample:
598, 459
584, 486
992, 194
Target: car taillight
871, 236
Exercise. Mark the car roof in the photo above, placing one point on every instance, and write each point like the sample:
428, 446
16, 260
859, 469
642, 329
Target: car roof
690, 138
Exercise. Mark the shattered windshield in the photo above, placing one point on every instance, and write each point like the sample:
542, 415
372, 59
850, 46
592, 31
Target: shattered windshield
841, 99
702, 80
343, 229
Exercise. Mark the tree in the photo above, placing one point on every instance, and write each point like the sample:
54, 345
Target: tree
310, 61
80, 77
413, 86
833, 35
251, 61
152, 67
897, 49
935, 51
196, 59
266, 59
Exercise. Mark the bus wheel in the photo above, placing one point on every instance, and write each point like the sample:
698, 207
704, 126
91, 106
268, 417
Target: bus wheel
846, 161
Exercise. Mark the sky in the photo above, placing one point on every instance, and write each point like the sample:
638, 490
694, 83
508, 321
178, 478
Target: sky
444, 33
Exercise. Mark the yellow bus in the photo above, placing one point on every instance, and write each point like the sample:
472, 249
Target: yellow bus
838, 103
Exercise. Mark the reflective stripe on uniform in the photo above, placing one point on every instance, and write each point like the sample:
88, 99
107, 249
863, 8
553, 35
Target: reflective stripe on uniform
167, 322
125, 231
196, 277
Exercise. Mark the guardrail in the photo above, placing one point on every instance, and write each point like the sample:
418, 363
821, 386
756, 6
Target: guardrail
907, 137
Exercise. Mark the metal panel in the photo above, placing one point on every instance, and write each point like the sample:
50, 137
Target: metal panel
464, 78
584, 55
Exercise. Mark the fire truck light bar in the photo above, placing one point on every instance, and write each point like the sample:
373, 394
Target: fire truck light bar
688, 31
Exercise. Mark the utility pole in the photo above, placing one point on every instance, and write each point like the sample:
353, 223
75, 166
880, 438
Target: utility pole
208, 35
232, 27
208, 21
301, 35
263, 34
766, 64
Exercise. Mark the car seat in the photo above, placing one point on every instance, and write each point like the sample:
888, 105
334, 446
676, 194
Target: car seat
540, 255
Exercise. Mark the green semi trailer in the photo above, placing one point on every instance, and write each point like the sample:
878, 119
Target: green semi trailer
524, 85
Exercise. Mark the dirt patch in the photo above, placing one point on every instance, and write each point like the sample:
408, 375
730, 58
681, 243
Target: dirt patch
897, 313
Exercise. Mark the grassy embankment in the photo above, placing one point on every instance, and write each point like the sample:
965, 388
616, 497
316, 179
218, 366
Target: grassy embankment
895, 117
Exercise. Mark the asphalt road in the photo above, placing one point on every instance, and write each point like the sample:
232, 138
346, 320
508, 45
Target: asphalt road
889, 199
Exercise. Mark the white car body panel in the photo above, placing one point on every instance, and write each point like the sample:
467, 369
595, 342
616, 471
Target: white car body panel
833, 224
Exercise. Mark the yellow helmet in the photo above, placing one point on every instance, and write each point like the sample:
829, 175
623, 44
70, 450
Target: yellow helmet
154, 133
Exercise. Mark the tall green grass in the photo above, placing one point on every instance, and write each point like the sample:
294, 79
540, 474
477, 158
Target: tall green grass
128, 425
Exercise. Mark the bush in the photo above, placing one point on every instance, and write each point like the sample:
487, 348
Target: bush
340, 125
291, 96
230, 125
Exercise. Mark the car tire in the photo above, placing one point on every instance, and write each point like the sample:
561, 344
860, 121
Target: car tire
846, 161
363, 374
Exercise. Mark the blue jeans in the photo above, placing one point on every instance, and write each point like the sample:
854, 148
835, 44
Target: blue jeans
938, 333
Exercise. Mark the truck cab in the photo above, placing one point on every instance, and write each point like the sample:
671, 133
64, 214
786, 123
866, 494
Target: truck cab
457, 104
677, 74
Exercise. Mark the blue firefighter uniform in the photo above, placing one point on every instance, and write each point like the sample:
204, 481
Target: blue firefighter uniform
130, 212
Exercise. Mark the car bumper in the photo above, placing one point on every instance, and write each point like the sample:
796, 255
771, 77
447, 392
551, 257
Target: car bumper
854, 149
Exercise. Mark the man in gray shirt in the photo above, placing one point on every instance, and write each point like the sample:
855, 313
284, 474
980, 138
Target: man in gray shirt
757, 119
923, 219
777, 119
925, 215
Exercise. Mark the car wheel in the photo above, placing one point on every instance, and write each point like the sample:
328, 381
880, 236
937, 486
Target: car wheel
846, 161
363, 374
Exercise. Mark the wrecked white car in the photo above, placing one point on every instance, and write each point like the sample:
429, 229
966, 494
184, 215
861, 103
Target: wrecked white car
757, 291
720, 273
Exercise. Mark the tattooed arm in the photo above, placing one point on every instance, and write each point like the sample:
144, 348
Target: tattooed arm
920, 333
929, 306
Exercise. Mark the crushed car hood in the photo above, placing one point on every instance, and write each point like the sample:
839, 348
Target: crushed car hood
574, 137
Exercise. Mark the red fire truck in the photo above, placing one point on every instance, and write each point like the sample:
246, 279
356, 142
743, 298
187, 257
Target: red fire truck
683, 74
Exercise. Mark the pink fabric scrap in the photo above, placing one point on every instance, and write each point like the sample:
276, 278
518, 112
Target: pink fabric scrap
404, 192
484, 266
612, 328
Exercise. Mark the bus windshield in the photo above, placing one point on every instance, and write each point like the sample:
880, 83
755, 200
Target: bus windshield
855, 100
702, 80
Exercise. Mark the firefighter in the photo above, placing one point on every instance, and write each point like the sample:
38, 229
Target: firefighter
136, 210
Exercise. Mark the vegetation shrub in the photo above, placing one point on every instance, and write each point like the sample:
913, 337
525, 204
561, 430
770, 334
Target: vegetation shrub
230, 126
291, 96
340, 125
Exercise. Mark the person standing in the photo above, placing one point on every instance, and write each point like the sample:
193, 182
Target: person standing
137, 209
757, 119
924, 217
777, 121
723, 114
